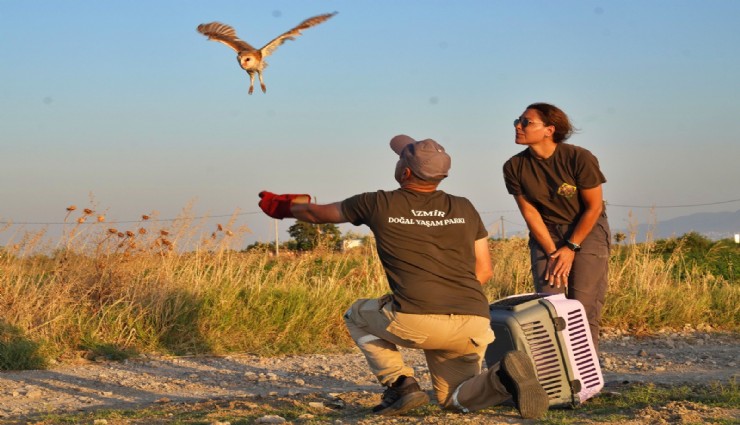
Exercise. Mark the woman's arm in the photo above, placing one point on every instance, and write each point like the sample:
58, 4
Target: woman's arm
594, 202
562, 261
558, 262
535, 224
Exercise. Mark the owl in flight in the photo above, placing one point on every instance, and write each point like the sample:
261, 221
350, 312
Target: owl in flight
250, 59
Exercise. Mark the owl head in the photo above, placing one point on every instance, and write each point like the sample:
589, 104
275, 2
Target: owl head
249, 60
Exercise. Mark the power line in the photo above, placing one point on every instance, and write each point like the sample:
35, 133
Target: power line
27, 223
674, 206
497, 211
514, 223
52, 223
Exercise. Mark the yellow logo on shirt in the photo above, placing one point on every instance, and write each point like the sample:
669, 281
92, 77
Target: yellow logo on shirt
567, 190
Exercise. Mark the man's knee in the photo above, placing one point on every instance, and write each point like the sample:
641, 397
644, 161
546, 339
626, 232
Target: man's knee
355, 314
361, 319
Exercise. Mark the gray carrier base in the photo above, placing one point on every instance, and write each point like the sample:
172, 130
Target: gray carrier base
554, 332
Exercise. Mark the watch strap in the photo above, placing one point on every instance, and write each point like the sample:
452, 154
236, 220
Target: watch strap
572, 245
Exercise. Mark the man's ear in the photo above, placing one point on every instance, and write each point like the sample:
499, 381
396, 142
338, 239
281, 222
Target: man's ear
406, 174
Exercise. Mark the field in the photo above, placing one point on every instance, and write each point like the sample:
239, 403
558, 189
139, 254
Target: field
107, 294
103, 291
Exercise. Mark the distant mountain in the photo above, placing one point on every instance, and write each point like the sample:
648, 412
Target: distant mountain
715, 226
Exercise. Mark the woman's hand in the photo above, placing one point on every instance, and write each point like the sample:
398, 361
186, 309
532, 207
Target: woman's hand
559, 265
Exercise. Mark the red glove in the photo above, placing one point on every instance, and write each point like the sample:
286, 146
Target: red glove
278, 206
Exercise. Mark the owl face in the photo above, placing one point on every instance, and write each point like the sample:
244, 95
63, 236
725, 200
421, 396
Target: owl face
248, 60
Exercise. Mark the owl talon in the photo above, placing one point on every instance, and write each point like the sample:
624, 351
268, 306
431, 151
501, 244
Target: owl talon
251, 89
264, 88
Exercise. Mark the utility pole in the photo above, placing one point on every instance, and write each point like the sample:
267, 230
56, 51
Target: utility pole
276, 238
503, 231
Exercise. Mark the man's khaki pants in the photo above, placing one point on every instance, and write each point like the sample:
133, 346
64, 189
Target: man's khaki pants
454, 347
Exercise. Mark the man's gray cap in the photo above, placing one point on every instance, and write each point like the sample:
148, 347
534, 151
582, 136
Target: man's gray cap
426, 158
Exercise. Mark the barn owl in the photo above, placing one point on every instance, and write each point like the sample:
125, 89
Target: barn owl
250, 59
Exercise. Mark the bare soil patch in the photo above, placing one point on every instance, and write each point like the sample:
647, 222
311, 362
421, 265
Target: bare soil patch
340, 387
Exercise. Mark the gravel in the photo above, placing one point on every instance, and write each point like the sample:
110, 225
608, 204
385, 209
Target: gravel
693, 357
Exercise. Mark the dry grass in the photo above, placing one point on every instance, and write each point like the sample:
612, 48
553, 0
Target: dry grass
101, 290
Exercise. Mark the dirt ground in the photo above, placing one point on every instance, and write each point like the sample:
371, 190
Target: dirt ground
343, 381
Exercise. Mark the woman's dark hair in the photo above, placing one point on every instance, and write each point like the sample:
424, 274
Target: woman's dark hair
552, 115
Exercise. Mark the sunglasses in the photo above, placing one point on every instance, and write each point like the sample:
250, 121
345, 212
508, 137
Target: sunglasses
525, 122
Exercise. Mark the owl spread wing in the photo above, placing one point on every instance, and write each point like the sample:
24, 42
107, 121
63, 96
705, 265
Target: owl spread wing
290, 35
217, 31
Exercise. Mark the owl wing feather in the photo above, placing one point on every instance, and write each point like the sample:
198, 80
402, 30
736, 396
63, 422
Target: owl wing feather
296, 31
217, 31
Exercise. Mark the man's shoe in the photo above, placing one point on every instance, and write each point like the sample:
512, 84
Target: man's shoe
402, 396
520, 380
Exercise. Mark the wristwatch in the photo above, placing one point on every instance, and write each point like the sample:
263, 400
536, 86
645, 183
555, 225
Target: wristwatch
573, 246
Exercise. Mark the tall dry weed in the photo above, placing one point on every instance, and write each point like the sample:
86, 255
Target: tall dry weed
104, 289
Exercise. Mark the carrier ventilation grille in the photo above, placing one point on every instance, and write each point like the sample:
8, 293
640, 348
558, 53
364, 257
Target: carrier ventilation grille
582, 354
546, 358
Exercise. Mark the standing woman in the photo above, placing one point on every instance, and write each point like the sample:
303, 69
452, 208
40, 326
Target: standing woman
557, 187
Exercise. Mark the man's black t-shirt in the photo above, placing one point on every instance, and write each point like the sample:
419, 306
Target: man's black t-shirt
425, 242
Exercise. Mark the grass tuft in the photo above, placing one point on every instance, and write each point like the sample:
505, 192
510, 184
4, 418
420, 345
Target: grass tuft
18, 352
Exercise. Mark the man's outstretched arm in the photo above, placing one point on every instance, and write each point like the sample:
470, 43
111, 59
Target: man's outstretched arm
299, 206
318, 213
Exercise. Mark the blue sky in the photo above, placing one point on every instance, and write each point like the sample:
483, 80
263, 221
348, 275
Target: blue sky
126, 104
